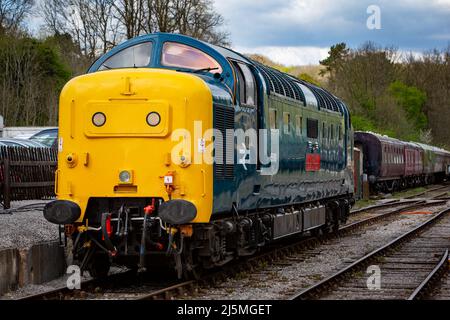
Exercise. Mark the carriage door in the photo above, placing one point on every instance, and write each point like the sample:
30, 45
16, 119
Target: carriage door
246, 125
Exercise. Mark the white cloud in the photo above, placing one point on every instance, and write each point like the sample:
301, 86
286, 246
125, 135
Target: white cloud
290, 56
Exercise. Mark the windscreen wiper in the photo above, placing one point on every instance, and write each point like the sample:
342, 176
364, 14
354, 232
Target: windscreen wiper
205, 70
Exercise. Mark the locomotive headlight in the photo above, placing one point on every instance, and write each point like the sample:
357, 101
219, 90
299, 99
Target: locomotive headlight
99, 119
126, 177
153, 119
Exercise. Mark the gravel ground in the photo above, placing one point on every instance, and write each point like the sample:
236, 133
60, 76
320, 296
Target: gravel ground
285, 278
23, 229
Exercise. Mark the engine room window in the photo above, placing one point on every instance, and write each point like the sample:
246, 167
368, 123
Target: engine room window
299, 125
182, 56
137, 56
287, 123
313, 128
273, 119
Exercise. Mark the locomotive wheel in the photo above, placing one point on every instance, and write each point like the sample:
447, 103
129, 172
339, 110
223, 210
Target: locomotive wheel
329, 228
99, 267
317, 232
192, 267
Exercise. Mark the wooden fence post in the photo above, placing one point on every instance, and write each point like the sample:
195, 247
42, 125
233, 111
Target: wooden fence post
7, 185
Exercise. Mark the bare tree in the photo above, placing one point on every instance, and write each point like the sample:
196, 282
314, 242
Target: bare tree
98, 25
90, 23
54, 13
195, 18
12, 14
131, 14
107, 25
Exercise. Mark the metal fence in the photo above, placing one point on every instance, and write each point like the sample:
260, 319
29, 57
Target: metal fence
26, 174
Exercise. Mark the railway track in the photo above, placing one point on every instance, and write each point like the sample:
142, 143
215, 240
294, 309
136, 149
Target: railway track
125, 284
408, 266
434, 191
129, 285
427, 286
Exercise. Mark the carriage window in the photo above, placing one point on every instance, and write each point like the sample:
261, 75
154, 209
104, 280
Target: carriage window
299, 125
312, 128
287, 122
137, 56
273, 119
183, 56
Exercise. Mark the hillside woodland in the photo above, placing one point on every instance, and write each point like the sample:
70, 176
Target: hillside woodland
402, 95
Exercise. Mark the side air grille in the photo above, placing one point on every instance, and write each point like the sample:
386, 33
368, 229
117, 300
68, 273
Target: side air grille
224, 148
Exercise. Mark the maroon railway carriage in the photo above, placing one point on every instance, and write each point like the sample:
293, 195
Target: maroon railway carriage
391, 164
384, 160
414, 170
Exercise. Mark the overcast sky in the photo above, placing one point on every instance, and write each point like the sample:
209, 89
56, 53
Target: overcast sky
299, 32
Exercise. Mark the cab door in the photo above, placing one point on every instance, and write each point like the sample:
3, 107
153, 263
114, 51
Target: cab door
247, 133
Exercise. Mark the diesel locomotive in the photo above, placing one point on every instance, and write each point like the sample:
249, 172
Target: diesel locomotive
173, 150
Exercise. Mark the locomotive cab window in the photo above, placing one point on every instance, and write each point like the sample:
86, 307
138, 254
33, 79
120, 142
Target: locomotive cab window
178, 55
137, 56
312, 129
246, 83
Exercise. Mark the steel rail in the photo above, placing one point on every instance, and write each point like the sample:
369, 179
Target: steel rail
405, 200
431, 279
173, 291
382, 205
320, 287
426, 191
269, 255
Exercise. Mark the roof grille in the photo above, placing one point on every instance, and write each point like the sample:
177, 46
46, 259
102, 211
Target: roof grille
285, 85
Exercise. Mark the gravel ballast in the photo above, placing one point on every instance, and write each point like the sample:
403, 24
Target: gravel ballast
23, 229
283, 279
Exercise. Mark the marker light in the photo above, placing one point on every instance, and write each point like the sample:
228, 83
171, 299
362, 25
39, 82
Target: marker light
153, 119
125, 177
99, 119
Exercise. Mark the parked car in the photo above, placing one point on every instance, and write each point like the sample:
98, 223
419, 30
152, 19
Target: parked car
21, 143
47, 137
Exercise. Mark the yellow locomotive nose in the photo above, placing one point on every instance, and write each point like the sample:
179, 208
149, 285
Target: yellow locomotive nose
116, 138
